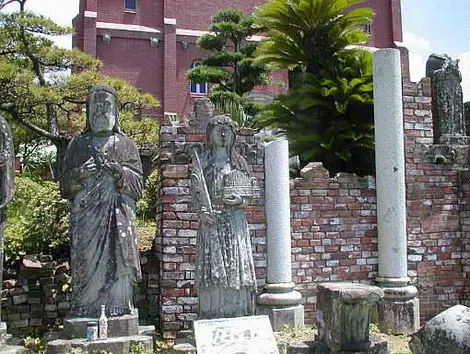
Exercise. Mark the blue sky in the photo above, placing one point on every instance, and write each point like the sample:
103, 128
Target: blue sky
437, 26
429, 26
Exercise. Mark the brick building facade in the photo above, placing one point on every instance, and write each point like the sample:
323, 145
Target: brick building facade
152, 43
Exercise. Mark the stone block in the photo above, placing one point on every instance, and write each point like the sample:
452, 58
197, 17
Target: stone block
343, 315
283, 316
121, 326
398, 315
115, 345
448, 332
20, 299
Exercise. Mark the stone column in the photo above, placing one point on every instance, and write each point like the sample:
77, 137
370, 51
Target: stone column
279, 300
399, 310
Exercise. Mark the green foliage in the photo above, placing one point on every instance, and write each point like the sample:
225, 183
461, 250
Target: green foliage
231, 68
36, 345
36, 220
330, 119
327, 113
139, 348
43, 88
147, 205
310, 34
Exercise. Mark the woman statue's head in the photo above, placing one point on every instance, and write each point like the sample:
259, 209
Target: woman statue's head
102, 110
221, 132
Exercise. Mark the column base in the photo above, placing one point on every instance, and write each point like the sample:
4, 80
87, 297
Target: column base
398, 311
281, 303
280, 317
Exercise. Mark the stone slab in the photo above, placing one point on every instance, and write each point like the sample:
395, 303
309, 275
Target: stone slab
11, 349
121, 326
116, 345
249, 335
292, 316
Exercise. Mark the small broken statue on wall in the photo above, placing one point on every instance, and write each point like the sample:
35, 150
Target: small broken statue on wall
447, 100
221, 187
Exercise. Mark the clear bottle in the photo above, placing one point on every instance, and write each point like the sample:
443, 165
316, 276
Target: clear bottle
103, 329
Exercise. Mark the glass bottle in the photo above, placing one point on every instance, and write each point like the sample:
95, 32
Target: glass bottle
103, 332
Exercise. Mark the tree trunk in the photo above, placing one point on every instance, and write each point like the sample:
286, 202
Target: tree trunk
61, 145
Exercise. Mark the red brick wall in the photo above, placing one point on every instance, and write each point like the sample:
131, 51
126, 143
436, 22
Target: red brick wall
334, 234
437, 205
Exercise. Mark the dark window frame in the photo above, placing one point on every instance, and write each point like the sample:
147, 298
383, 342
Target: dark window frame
195, 88
128, 5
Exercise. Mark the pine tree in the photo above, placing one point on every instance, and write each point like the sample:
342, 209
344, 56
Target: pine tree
230, 68
43, 88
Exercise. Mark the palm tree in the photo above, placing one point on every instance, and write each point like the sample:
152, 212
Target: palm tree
310, 34
327, 113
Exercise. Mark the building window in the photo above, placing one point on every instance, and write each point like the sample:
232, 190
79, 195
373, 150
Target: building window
198, 89
131, 5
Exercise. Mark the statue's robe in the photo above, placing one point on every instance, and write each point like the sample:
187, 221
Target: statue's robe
104, 251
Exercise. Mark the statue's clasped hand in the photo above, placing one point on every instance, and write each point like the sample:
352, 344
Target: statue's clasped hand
113, 168
233, 199
208, 217
88, 169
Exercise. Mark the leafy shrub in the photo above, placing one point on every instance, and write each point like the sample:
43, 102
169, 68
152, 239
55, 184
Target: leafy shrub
36, 220
147, 205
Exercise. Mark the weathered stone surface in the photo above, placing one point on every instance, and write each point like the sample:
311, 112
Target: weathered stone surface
116, 345
118, 326
102, 179
222, 186
281, 316
378, 345
343, 315
398, 311
251, 334
7, 189
448, 332
448, 109
279, 300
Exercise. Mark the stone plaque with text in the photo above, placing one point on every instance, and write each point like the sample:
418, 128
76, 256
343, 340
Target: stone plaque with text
240, 335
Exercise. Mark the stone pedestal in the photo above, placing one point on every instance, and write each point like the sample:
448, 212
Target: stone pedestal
123, 333
399, 310
115, 345
279, 300
121, 326
343, 316
391, 198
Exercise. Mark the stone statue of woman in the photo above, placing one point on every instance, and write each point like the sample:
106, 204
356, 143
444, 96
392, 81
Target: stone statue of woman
103, 180
222, 186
